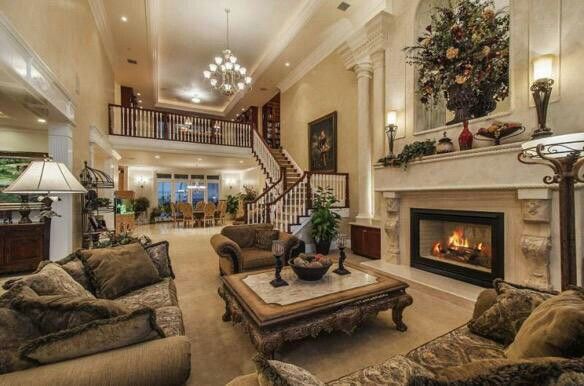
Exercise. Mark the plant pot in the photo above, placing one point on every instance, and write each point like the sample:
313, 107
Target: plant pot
323, 247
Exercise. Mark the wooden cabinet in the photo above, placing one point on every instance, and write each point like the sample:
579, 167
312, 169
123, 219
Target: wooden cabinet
366, 241
23, 246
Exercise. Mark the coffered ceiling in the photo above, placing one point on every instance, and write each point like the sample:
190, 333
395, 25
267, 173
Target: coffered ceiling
173, 41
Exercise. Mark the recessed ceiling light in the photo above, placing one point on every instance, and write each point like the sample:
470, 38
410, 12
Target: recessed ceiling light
140, 101
199, 159
243, 109
138, 94
157, 156
41, 120
240, 162
287, 64
124, 19
196, 100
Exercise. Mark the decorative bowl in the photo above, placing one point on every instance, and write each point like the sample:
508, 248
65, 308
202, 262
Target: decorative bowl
499, 130
310, 273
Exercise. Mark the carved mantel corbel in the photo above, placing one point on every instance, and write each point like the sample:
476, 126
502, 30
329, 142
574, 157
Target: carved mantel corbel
391, 226
535, 242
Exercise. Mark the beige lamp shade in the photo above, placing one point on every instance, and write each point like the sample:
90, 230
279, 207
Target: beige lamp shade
45, 177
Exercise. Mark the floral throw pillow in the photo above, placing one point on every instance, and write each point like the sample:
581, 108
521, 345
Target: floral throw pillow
514, 304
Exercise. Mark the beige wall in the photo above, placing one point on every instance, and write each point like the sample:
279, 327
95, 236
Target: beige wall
63, 34
17, 139
326, 88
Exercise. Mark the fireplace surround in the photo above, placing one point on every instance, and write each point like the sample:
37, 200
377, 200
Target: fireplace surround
465, 245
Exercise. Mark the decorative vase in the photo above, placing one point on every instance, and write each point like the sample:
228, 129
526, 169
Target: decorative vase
465, 137
323, 247
445, 145
460, 100
484, 104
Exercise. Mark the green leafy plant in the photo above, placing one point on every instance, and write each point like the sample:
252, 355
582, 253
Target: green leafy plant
154, 213
249, 193
103, 202
410, 152
232, 204
465, 45
141, 205
325, 222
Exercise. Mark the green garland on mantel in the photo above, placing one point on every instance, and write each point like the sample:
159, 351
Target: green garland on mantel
410, 152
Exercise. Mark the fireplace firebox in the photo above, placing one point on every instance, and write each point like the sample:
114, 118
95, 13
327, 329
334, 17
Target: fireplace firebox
465, 245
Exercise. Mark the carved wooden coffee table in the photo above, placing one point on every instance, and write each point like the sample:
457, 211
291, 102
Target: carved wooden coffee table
272, 316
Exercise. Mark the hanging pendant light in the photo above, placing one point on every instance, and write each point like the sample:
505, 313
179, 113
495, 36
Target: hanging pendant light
226, 75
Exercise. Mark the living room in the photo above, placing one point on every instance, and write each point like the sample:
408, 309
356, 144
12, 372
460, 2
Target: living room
291, 192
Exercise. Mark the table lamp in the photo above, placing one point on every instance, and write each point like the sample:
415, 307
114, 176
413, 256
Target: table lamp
46, 178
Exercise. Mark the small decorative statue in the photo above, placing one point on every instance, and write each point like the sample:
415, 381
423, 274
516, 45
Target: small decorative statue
341, 245
278, 251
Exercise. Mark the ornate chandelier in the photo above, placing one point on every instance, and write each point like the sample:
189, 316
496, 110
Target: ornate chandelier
226, 75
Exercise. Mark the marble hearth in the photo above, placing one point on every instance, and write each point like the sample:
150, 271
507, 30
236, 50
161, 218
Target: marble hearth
485, 180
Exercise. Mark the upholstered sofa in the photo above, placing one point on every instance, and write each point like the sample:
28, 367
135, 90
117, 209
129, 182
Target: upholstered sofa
460, 357
237, 250
162, 361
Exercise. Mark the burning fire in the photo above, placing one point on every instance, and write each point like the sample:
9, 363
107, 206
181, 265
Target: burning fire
456, 242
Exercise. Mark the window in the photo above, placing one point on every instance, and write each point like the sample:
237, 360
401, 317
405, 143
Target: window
197, 188
163, 193
213, 189
181, 191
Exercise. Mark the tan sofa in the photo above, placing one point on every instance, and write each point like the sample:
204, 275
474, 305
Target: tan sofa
236, 251
158, 362
458, 353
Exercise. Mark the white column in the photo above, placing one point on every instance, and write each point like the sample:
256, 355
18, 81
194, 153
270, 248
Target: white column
61, 149
91, 157
364, 74
378, 110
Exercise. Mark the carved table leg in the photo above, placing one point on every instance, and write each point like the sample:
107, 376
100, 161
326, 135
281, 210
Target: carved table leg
397, 311
227, 315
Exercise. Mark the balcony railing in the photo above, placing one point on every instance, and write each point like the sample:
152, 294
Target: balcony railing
183, 127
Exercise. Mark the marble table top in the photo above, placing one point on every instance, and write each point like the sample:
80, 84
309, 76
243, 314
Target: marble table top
300, 290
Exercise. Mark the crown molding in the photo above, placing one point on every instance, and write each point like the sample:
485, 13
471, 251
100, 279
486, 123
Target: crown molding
29, 70
104, 30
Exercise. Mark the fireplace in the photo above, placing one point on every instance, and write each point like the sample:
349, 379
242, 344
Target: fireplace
464, 245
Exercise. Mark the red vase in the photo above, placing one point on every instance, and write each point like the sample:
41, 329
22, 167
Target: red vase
465, 137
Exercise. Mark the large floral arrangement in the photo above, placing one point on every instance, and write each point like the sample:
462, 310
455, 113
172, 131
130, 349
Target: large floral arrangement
465, 46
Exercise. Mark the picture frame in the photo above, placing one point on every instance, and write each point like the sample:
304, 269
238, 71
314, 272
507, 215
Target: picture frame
322, 144
12, 164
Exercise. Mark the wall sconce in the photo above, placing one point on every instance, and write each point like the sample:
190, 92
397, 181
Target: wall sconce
141, 180
230, 182
390, 131
541, 89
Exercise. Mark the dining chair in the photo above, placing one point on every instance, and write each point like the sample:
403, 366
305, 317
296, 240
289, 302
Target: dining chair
209, 214
176, 214
187, 212
220, 213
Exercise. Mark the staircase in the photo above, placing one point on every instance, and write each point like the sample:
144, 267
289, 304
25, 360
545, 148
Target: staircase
287, 200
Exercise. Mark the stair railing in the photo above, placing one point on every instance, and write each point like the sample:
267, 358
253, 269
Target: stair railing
264, 156
337, 182
286, 209
258, 211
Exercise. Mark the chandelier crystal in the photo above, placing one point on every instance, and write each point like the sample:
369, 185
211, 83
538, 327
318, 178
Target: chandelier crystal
226, 75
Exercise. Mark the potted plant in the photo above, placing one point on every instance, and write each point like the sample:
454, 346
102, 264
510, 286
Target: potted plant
232, 205
249, 193
324, 221
141, 205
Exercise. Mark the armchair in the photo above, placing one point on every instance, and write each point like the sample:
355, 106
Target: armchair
237, 252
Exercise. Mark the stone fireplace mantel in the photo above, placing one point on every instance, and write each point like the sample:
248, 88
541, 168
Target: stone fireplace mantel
484, 179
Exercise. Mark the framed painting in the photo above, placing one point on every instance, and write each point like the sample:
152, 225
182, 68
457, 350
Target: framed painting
11, 165
322, 144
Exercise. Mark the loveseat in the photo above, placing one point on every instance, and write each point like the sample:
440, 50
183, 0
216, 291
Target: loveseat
164, 360
462, 357
238, 249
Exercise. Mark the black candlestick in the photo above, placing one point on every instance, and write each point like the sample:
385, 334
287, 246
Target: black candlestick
278, 281
342, 270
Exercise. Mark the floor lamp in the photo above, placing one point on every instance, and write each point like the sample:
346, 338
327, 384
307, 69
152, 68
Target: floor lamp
564, 154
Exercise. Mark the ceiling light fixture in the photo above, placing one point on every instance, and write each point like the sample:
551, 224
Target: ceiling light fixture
41, 120
196, 100
287, 64
157, 156
225, 74
124, 19
138, 94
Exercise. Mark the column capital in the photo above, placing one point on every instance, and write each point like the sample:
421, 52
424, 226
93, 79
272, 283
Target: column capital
378, 58
363, 70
